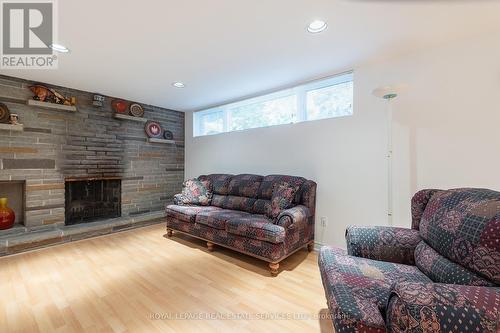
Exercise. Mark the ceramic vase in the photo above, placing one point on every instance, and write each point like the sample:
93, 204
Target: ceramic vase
7, 216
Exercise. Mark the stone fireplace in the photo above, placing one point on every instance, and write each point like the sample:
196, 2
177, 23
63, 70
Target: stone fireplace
92, 200
71, 175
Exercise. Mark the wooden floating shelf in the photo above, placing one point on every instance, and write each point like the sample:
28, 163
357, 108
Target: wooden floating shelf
10, 127
127, 117
52, 106
154, 140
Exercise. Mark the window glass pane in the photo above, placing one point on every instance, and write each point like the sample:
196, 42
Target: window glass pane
211, 123
328, 102
327, 98
266, 113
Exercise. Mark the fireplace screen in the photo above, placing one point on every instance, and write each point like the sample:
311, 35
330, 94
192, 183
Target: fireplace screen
92, 200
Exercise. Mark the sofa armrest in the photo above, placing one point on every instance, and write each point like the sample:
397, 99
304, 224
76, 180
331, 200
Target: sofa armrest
435, 307
391, 244
297, 215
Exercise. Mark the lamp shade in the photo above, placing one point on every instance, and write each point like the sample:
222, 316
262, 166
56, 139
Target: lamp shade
386, 92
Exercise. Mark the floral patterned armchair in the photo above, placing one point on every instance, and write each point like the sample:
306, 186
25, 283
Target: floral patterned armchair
442, 275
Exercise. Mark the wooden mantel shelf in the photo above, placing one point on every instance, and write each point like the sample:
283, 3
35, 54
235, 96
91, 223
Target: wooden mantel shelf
10, 127
127, 117
52, 106
155, 140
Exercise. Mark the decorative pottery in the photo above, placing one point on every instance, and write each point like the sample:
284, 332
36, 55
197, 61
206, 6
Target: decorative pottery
7, 216
45, 94
41, 92
119, 106
14, 119
153, 129
168, 135
4, 114
136, 110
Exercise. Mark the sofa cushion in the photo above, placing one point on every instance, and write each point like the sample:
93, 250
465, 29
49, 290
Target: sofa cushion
196, 192
441, 270
296, 238
220, 182
463, 225
268, 183
434, 307
282, 198
236, 203
245, 185
218, 218
261, 206
357, 289
256, 227
187, 213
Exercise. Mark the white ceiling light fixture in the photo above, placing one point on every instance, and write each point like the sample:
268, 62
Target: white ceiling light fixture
178, 84
59, 48
316, 26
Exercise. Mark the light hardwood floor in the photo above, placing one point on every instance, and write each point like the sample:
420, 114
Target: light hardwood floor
137, 281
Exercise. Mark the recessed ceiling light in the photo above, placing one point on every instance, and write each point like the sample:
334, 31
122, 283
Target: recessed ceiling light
178, 84
316, 26
59, 48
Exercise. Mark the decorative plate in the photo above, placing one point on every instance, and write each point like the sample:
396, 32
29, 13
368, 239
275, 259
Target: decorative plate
136, 110
4, 114
168, 135
153, 129
119, 106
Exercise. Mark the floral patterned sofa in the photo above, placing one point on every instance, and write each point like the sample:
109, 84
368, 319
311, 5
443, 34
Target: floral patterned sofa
236, 217
442, 275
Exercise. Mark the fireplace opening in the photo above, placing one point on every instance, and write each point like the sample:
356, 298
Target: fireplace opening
92, 200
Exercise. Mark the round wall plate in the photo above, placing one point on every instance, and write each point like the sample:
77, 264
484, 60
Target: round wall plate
4, 114
168, 135
153, 129
136, 110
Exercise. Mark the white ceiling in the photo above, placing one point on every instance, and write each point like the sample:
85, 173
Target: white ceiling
227, 49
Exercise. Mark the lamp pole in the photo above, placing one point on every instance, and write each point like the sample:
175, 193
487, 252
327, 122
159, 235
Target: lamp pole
389, 98
388, 93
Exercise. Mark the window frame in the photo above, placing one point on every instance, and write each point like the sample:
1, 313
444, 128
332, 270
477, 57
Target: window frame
300, 91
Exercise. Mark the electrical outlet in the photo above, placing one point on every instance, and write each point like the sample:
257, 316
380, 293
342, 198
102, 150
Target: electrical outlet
324, 221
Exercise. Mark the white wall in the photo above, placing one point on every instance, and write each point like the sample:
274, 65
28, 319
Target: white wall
446, 134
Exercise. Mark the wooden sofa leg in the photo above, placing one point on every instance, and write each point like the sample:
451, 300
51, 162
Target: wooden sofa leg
310, 247
274, 267
170, 232
210, 246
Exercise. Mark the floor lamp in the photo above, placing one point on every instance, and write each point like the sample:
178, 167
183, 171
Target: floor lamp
388, 93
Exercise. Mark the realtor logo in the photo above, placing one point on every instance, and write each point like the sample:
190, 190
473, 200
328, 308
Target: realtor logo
27, 34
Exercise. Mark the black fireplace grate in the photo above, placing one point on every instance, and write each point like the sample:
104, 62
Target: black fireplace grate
92, 200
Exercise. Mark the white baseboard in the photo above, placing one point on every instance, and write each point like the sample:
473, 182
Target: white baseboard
317, 246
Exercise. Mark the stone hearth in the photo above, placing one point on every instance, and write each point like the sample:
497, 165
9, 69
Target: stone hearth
88, 144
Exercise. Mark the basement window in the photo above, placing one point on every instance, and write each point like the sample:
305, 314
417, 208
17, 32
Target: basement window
322, 99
